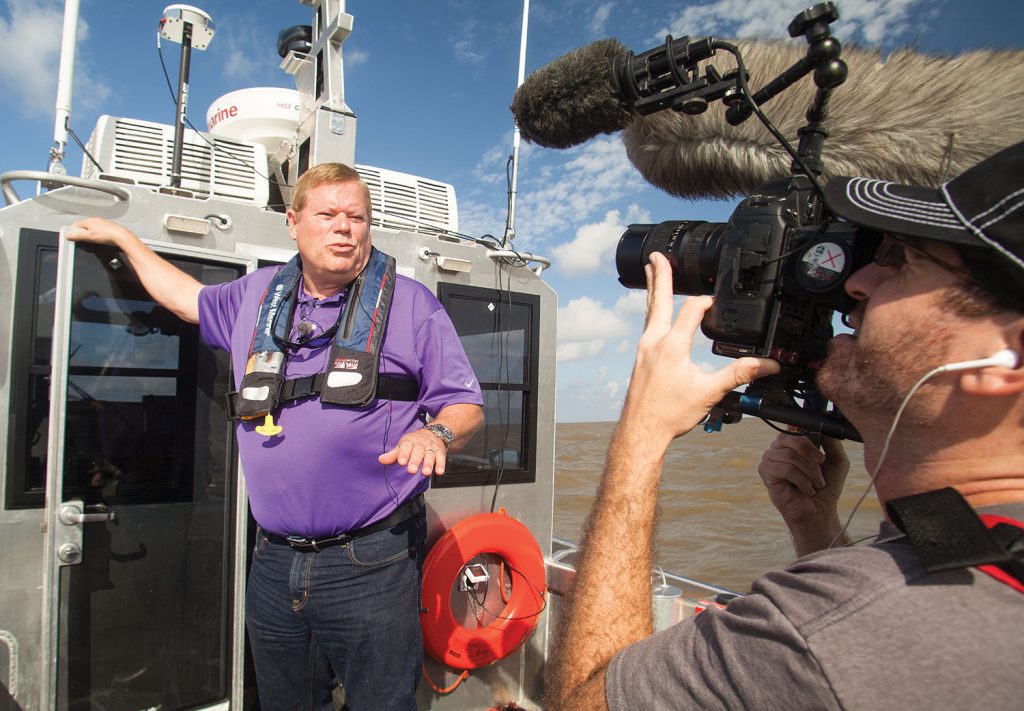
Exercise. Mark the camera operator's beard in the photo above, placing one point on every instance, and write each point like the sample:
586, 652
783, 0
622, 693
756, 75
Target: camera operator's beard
856, 377
869, 375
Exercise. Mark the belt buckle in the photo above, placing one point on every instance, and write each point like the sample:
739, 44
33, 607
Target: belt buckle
301, 543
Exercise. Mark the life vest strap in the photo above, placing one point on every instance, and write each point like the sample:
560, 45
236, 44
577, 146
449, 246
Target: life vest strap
389, 387
947, 534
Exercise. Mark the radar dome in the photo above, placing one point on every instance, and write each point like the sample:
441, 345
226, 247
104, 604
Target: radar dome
266, 115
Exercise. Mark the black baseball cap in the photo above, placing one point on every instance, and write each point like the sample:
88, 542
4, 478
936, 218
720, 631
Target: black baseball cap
981, 209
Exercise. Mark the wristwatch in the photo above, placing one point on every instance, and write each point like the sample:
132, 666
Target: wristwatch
443, 433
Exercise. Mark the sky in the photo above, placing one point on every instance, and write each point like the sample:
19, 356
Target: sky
430, 84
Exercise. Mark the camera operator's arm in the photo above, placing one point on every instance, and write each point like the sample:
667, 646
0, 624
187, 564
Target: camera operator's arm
804, 484
609, 606
168, 285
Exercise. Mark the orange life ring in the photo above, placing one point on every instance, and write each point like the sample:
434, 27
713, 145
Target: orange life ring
445, 639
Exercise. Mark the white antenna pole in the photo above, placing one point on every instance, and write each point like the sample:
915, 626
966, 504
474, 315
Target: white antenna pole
65, 81
510, 228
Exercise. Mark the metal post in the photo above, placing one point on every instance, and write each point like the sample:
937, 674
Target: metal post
510, 226
179, 124
65, 80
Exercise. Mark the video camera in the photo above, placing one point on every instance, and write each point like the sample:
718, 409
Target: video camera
777, 267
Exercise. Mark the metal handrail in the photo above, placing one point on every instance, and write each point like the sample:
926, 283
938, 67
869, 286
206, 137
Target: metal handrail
526, 257
11, 196
556, 560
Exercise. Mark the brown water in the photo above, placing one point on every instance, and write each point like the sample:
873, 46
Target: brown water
716, 523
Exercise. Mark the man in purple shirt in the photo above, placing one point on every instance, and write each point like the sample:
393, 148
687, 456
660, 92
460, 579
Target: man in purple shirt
334, 585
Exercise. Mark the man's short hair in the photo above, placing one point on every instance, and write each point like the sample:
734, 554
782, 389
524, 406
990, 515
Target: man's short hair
327, 174
990, 289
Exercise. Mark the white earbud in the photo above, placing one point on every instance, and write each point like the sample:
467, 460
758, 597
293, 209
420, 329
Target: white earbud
1006, 358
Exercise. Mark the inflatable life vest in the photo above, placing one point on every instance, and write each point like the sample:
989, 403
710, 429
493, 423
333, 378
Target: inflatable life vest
445, 639
947, 534
351, 375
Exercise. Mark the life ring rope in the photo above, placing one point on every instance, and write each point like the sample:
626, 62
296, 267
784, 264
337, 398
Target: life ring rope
506, 598
448, 689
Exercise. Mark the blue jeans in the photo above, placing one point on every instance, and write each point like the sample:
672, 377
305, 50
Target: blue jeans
349, 613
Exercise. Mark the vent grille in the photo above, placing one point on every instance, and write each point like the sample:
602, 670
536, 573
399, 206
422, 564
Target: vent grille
210, 165
407, 202
222, 167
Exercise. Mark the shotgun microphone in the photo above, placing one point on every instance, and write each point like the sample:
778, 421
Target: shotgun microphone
571, 100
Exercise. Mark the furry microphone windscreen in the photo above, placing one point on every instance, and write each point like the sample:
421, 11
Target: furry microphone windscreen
911, 118
570, 100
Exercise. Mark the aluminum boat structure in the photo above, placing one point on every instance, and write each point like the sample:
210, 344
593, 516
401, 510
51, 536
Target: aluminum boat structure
125, 527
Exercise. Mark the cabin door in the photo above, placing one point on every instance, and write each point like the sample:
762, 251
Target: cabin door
141, 494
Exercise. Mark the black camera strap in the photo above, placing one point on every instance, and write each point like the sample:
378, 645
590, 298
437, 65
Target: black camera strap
948, 534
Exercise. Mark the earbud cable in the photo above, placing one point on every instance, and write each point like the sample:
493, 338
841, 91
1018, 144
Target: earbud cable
885, 447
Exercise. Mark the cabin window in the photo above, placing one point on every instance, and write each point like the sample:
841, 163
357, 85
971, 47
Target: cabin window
144, 395
499, 331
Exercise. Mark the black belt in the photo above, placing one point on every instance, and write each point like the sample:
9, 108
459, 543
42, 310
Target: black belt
307, 545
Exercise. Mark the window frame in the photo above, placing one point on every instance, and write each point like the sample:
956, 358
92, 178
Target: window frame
525, 472
33, 243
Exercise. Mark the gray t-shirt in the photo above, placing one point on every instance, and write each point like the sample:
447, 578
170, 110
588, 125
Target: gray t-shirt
852, 628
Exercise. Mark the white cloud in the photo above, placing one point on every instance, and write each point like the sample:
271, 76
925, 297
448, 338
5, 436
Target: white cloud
490, 168
585, 319
632, 304
869, 20
593, 247
876, 22
593, 396
241, 46
467, 49
585, 326
557, 190
240, 63
561, 189
483, 207
578, 351
600, 18
30, 54
477, 218
355, 57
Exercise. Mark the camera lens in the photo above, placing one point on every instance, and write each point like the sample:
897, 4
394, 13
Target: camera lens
692, 248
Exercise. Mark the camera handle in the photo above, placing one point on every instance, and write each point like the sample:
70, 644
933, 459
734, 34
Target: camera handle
736, 404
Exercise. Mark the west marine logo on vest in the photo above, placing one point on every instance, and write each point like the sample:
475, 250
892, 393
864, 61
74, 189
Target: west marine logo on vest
275, 303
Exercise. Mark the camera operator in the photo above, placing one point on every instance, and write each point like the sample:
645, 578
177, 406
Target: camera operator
846, 627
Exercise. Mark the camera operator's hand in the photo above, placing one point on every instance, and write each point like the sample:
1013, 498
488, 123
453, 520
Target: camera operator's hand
804, 484
669, 393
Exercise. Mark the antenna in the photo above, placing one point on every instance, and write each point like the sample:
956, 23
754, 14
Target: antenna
65, 80
190, 27
510, 226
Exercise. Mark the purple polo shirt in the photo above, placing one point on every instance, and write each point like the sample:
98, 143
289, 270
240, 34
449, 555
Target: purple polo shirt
320, 476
